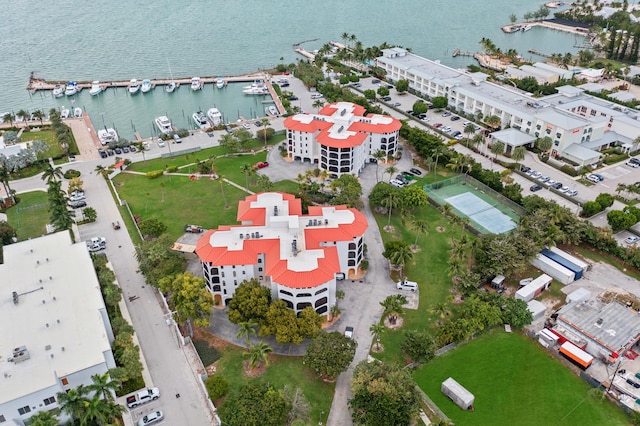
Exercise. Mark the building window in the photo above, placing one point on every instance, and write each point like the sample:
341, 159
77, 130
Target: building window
50, 400
234, 273
321, 291
304, 295
259, 269
259, 260
288, 293
65, 382
24, 410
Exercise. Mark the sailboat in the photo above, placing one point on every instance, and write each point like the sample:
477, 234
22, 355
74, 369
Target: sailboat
169, 88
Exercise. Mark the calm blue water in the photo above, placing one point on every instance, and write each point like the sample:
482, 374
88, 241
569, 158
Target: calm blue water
119, 39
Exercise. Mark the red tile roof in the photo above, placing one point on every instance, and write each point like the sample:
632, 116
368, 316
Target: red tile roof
324, 272
345, 232
355, 139
313, 126
331, 109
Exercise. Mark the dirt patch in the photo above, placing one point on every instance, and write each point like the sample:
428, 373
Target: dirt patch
201, 334
377, 348
620, 296
399, 323
253, 372
440, 229
390, 229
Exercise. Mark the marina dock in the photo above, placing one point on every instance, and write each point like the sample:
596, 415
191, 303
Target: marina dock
457, 52
36, 84
539, 53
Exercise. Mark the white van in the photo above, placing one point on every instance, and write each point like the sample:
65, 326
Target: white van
407, 285
396, 183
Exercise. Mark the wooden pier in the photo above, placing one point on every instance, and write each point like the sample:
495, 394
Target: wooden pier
457, 52
36, 83
539, 53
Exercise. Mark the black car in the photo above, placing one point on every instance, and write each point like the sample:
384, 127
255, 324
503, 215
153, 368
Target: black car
557, 185
402, 179
525, 169
386, 98
102, 153
110, 152
535, 188
375, 81
118, 151
415, 171
422, 116
455, 118
132, 148
293, 98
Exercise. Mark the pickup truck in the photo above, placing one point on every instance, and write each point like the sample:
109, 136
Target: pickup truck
193, 229
407, 285
142, 397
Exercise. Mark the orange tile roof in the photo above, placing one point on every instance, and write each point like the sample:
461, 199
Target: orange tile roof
313, 126
325, 138
324, 272
345, 232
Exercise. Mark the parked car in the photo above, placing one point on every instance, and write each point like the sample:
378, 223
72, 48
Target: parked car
631, 240
557, 185
177, 138
592, 178
110, 152
456, 133
228, 129
437, 125
386, 98
536, 175
407, 285
151, 418
633, 164
415, 171
543, 178
572, 193
396, 183
395, 104
375, 81
455, 118
402, 179
564, 189
446, 114
524, 169
598, 176
293, 98
446, 129
77, 204
142, 397
118, 151
261, 165
348, 332
132, 148
316, 95
408, 175
125, 149
160, 143
535, 188
103, 153
193, 229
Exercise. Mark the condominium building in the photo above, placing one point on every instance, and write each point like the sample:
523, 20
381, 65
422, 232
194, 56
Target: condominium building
340, 138
579, 125
298, 257
55, 331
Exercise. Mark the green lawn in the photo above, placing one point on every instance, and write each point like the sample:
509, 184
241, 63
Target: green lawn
48, 136
281, 371
515, 382
30, 216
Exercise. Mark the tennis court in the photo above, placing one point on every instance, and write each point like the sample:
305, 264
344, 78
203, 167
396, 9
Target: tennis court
487, 210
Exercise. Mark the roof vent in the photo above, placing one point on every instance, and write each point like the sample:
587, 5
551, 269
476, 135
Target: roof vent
343, 112
241, 236
47, 325
43, 302
340, 129
47, 259
51, 355
37, 262
15, 297
58, 321
310, 222
50, 278
62, 348
47, 348
326, 221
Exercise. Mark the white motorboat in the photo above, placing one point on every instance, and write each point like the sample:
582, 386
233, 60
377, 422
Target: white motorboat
134, 86
272, 110
196, 83
77, 112
106, 136
96, 88
58, 90
71, 89
214, 116
220, 83
169, 88
64, 112
256, 88
200, 118
526, 28
146, 86
164, 124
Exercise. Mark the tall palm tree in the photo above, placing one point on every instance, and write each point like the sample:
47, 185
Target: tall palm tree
437, 151
258, 354
73, 401
401, 256
378, 155
4, 178
497, 148
246, 329
221, 180
421, 227
441, 309
518, 154
43, 418
317, 104
99, 412
24, 114
391, 170
247, 169
103, 386
264, 122
8, 118
344, 37
38, 115
376, 330
390, 203
468, 130
52, 173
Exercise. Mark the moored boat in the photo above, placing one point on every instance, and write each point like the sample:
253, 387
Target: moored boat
96, 88
214, 116
164, 124
196, 83
71, 89
169, 88
526, 28
272, 110
77, 112
200, 118
220, 83
64, 112
58, 90
134, 86
106, 136
146, 86
256, 88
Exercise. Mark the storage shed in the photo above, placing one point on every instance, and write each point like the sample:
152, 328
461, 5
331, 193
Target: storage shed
458, 394
537, 309
534, 288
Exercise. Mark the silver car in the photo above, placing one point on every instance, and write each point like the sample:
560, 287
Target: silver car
151, 418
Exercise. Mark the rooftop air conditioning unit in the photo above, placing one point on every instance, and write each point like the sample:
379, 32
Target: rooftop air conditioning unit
20, 354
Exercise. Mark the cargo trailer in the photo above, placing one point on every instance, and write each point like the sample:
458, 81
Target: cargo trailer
577, 271
576, 355
458, 394
557, 271
571, 258
534, 288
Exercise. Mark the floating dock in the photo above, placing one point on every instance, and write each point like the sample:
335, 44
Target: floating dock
36, 83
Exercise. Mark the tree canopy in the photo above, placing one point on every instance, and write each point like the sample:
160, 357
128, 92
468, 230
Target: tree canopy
255, 404
250, 303
329, 354
190, 298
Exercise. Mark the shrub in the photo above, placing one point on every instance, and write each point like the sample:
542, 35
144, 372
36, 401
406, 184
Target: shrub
417, 345
71, 173
605, 200
172, 169
154, 174
569, 170
590, 208
344, 79
217, 387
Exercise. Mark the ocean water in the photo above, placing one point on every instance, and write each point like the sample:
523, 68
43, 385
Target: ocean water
119, 40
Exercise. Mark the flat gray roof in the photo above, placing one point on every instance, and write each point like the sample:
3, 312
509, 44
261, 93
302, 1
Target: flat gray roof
581, 152
513, 137
612, 325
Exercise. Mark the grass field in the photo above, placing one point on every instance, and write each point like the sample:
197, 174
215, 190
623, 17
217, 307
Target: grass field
48, 136
515, 382
30, 216
281, 371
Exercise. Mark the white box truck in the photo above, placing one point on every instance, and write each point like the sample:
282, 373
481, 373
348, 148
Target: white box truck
458, 394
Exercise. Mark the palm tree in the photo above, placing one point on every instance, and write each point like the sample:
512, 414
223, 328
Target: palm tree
264, 122
43, 418
390, 203
421, 227
317, 104
258, 354
73, 401
52, 174
544, 144
497, 148
140, 147
344, 37
391, 170
458, 161
8, 118
247, 169
99, 412
246, 329
4, 178
23, 114
38, 115
518, 154
492, 121
393, 307
468, 130
221, 180
376, 330
441, 309
103, 386
401, 256
378, 155
437, 151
